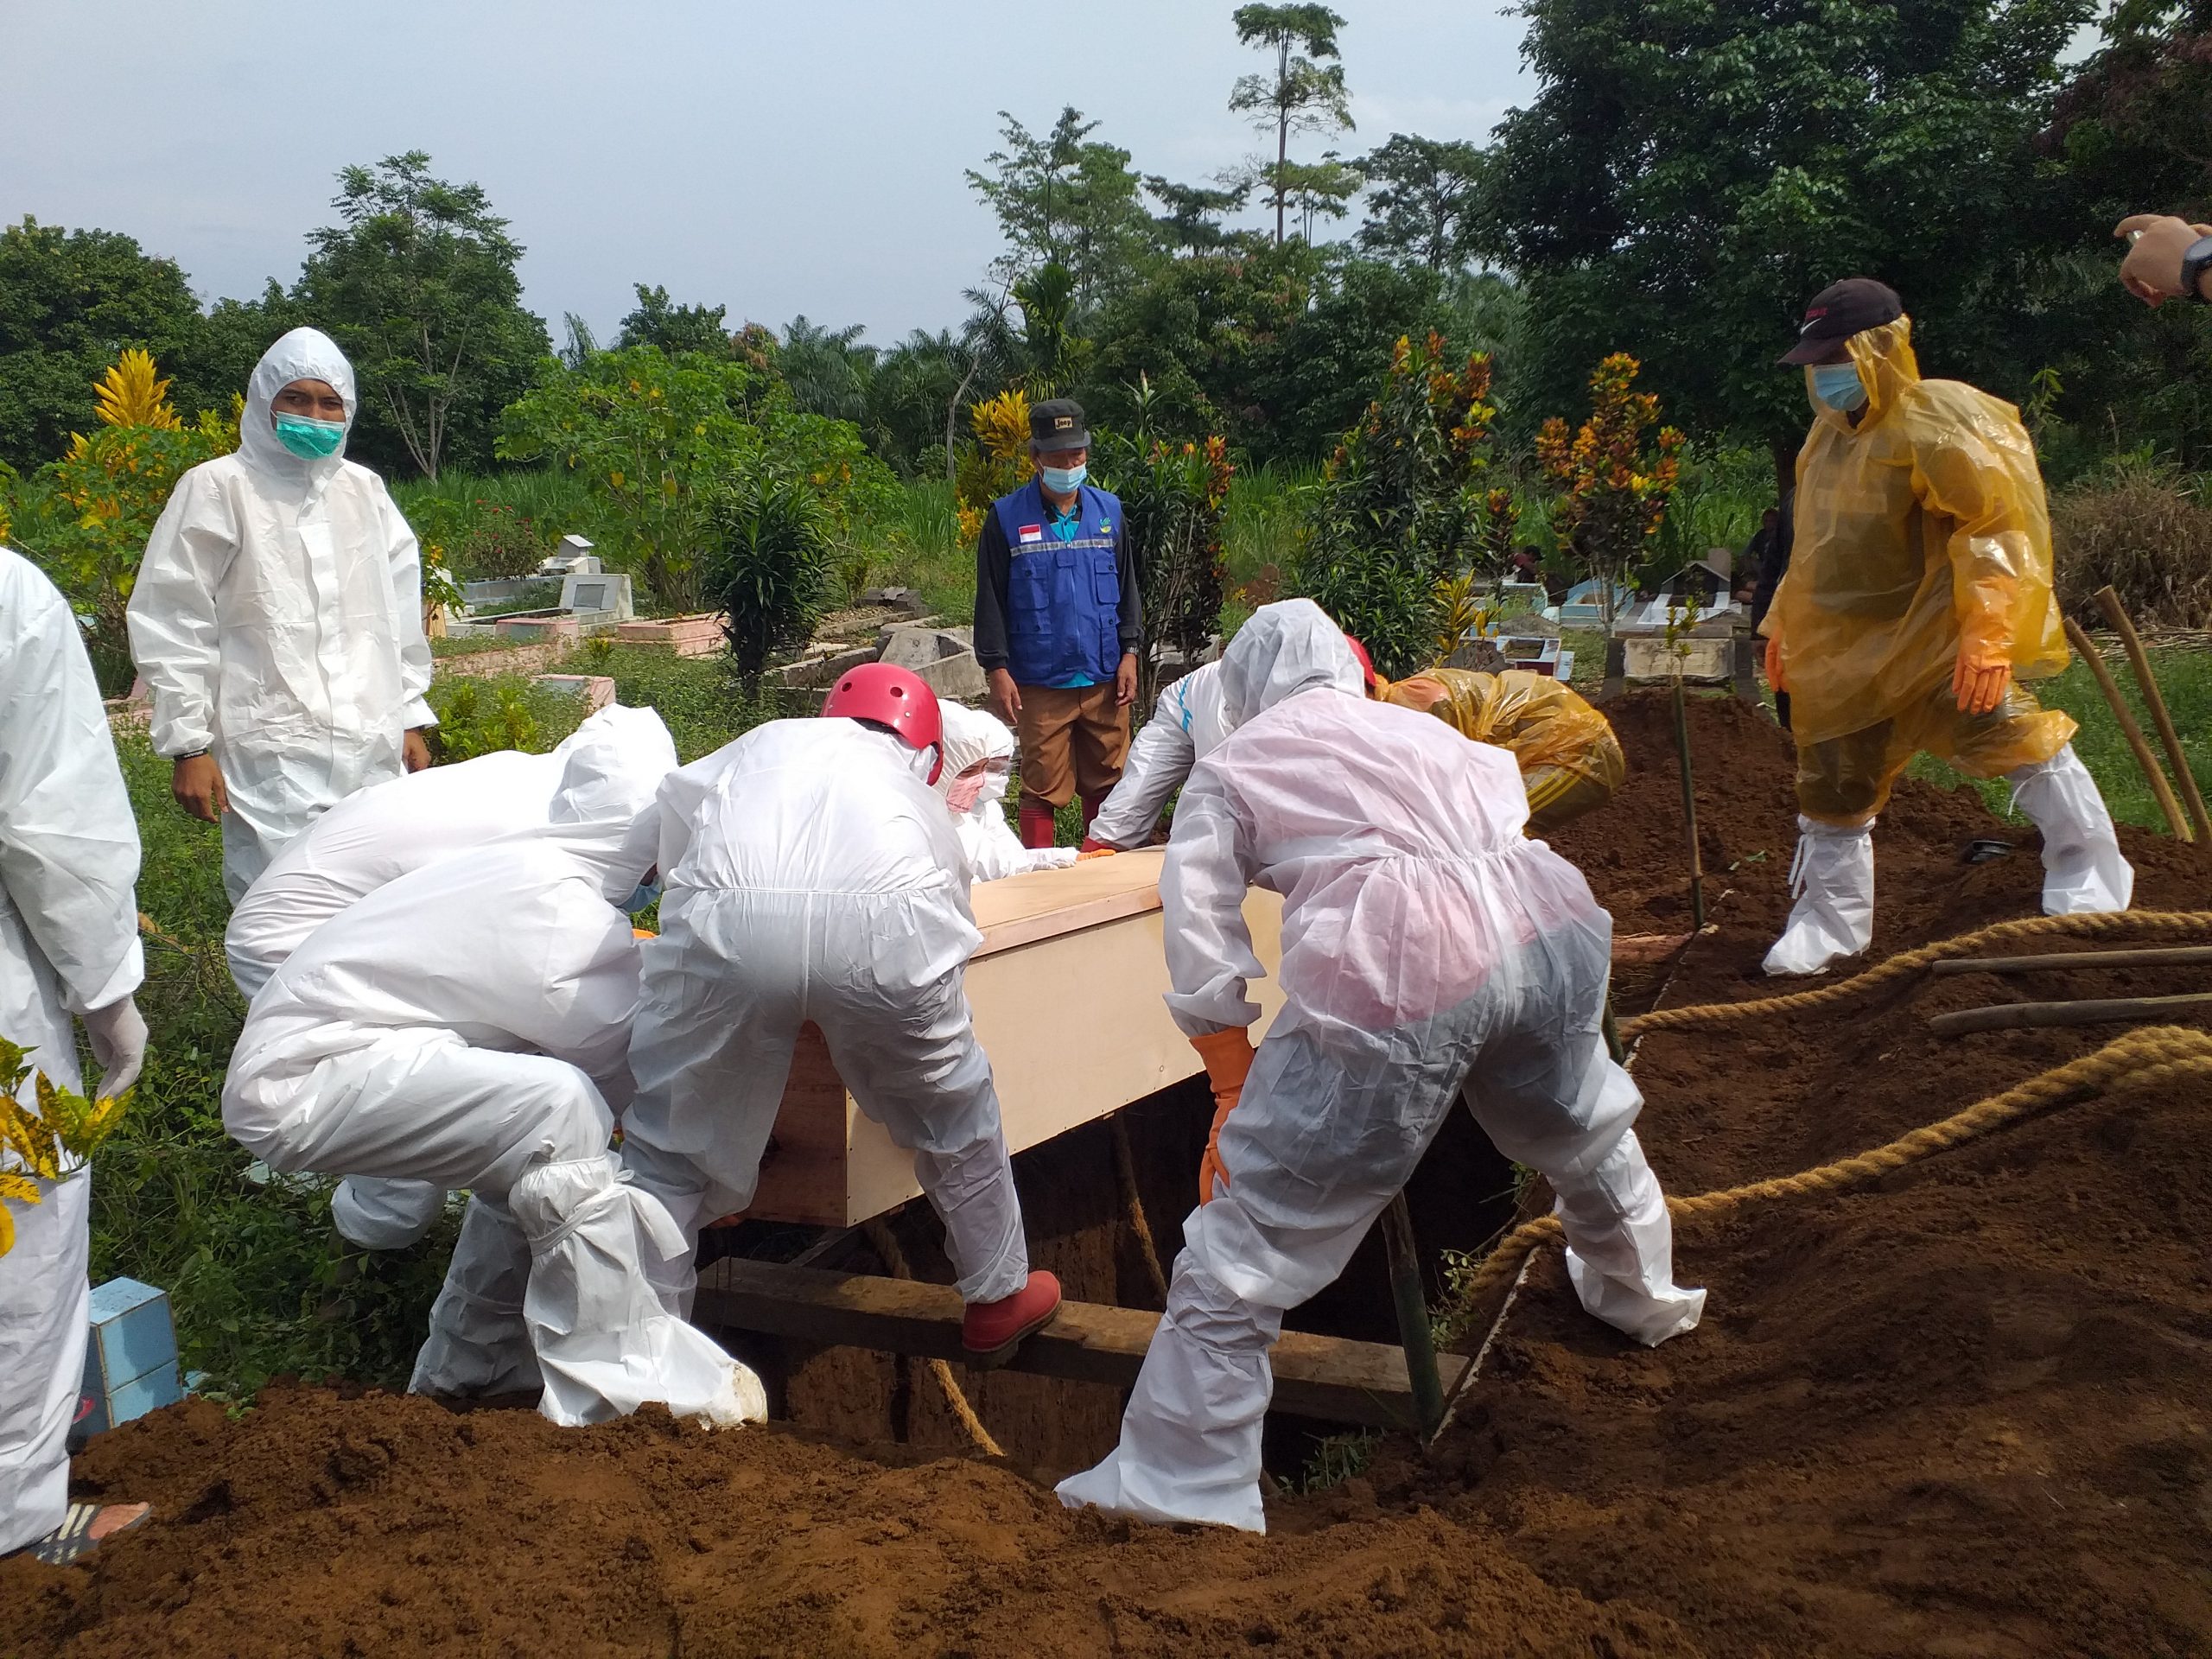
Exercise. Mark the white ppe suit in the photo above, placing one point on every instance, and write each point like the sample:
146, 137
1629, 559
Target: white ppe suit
1187, 724
278, 620
812, 875
468, 1026
1429, 947
68, 944
364, 841
975, 738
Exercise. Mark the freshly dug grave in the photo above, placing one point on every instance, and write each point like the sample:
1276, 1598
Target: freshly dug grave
1964, 1412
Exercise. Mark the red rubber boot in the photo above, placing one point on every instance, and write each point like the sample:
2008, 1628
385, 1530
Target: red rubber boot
1036, 827
990, 1331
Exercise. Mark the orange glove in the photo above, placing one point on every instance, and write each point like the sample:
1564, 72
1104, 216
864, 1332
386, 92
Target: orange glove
1979, 686
1774, 662
1227, 1055
1096, 852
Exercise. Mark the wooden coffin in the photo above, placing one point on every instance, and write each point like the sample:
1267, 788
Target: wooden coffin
1067, 989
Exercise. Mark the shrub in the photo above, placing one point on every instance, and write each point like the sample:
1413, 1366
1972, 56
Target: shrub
767, 566
2146, 532
1173, 497
1613, 486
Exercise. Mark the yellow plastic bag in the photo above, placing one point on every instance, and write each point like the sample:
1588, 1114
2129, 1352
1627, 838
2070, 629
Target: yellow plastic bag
1921, 536
1570, 760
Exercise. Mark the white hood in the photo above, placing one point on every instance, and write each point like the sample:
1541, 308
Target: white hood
614, 768
1286, 647
304, 354
972, 736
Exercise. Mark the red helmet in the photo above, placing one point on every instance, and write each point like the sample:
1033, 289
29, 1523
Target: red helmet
1366, 662
895, 697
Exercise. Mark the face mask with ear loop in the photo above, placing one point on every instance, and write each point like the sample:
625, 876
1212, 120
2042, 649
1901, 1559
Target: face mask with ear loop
1838, 385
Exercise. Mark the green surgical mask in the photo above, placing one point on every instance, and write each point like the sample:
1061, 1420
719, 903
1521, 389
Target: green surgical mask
310, 440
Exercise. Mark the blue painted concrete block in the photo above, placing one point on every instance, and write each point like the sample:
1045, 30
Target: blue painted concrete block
130, 1365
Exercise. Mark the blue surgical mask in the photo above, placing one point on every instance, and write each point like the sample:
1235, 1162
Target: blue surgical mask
310, 440
1838, 385
1064, 481
646, 895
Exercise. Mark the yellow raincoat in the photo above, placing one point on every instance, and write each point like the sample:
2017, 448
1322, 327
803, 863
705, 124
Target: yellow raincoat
1921, 535
1570, 760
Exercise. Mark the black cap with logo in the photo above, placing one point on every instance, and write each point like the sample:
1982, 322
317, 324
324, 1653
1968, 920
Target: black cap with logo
1057, 423
1840, 310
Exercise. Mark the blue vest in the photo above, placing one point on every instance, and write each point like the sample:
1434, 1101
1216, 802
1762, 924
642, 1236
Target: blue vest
1063, 599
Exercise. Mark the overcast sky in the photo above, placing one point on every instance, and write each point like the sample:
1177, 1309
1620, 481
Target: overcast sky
800, 157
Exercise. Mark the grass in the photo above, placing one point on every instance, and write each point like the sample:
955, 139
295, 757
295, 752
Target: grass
2184, 678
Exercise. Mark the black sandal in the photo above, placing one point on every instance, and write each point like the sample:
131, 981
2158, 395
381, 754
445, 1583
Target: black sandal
73, 1539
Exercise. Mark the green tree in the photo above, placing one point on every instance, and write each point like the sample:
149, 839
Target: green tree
1687, 177
767, 567
1063, 198
70, 303
1301, 95
1425, 197
654, 321
417, 282
827, 368
1192, 221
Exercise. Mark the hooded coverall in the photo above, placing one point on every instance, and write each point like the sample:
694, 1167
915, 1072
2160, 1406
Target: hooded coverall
973, 738
278, 620
68, 944
812, 876
1428, 947
1920, 541
468, 1026
364, 841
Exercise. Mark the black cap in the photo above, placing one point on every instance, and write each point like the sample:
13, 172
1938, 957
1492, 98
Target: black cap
1840, 310
1057, 423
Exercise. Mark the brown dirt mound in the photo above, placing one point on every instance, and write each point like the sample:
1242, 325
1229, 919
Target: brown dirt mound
1961, 1412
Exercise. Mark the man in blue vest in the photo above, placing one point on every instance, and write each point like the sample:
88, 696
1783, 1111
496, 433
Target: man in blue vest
1057, 623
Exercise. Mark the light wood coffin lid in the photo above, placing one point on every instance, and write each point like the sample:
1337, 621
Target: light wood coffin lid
1066, 990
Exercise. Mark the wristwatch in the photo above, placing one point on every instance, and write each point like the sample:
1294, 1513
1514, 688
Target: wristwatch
2194, 265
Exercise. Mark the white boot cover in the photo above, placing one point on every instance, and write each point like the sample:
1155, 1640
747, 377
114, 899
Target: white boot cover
606, 1344
378, 1214
1832, 877
478, 1343
1190, 1445
2082, 869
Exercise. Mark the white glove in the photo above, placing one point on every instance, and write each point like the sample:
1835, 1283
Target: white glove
118, 1034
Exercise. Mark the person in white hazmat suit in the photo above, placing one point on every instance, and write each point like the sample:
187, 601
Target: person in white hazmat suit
277, 617
1429, 947
364, 841
68, 945
468, 1026
1188, 723
813, 876
978, 761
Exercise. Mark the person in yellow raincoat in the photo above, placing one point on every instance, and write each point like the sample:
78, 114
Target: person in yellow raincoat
1918, 599
1571, 763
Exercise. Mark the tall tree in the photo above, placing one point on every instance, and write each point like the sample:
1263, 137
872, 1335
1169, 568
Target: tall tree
417, 280
658, 320
1425, 197
1301, 95
1192, 221
1064, 198
828, 369
1687, 177
70, 302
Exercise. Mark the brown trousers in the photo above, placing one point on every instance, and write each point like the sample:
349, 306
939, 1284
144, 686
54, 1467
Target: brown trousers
1074, 740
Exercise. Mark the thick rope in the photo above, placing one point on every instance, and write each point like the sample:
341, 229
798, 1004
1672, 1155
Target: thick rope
2137, 924
880, 1240
1125, 1167
2154, 1054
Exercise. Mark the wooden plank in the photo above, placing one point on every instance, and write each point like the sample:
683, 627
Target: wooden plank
2013, 1016
1327, 1378
1024, 909
2179, 955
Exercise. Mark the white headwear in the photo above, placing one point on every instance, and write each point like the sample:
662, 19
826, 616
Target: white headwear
1286, 647
971, 738
304, 354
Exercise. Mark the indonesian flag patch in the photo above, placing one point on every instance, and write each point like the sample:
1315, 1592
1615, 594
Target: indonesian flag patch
1027, 533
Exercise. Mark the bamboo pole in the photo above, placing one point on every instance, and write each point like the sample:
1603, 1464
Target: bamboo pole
2117, 616
2175, 957
2129, 730
1689, 802
1422, 1375
2012, 1016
